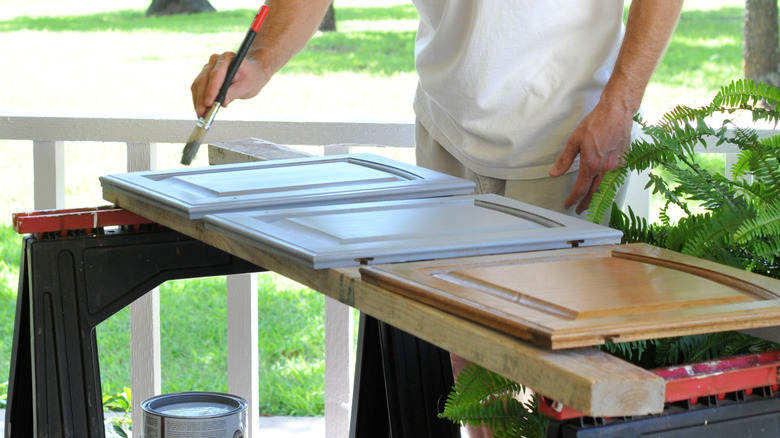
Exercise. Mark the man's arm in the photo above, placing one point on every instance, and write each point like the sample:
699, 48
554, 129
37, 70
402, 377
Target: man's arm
289, 26
605, 133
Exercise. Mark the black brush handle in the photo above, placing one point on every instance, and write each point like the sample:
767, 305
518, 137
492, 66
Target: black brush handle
241, 53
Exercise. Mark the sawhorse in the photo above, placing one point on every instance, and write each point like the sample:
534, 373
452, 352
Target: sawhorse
75, 273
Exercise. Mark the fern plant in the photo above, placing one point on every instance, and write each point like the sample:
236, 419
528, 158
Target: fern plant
730, 221
481, 397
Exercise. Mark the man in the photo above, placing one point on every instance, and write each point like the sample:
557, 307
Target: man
589, 104
532, 100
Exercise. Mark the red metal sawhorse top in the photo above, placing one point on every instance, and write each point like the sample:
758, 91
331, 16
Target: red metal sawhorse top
67, 220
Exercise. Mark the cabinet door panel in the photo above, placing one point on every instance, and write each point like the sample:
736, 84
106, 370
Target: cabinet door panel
406, 230
586, 296
195, 192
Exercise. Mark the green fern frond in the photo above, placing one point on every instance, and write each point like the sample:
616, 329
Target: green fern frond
636, 229
629, 351
745, 93
480, 397
533, 425
686, 349
603, 199
475, 384
682, 114
766, 224
713, 191
645, 155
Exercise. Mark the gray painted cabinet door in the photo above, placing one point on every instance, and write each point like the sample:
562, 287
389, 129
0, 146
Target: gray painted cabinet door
196, 192
406, 230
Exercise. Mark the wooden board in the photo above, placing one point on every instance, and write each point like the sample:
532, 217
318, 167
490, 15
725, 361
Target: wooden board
586, 379
195, 192
586, 296
408, 230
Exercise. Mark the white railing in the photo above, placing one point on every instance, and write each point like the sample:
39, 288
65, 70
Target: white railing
48, 134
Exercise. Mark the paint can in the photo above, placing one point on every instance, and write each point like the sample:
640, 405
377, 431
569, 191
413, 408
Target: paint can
194, 415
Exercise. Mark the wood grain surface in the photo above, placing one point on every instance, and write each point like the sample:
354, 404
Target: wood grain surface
586, 296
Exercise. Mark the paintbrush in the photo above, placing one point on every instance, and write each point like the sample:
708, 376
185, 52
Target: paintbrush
204, 123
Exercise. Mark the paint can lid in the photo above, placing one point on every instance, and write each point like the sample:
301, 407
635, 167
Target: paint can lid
194, 405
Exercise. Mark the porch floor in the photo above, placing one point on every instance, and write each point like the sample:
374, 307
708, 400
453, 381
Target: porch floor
292, 427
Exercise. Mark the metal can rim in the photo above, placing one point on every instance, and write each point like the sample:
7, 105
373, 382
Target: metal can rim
153, 404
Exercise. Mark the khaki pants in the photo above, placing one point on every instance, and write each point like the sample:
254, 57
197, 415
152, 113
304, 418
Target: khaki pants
548, 193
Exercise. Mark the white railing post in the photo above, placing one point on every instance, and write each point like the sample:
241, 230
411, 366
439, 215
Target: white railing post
242, 338
637, 197
145, 363
48, 174
339, 368
339, 364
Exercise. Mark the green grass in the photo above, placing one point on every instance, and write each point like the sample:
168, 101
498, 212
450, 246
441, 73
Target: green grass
10, 253
364, 51
131, 20
121, 61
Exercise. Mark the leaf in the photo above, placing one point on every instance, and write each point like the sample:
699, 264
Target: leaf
480, 397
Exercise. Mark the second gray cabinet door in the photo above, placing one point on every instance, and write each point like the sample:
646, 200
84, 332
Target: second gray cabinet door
405, 230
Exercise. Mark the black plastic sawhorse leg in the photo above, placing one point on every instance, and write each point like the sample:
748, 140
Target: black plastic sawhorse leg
68, 286
401, 384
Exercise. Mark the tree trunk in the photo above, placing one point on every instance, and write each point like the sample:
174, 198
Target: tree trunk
173, 7
761, 54
328, 23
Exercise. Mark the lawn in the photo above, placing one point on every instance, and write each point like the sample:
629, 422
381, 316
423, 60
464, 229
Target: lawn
105, 57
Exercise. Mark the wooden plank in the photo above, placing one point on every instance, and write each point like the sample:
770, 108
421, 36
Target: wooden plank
250, 149
586, 296
585, 379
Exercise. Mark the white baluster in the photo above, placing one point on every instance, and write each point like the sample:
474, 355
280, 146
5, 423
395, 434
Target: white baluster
242, 338
145, 363
49, 174
339, 365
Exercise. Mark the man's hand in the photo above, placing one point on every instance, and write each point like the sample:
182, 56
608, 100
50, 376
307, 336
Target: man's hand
604, 135
289, 26
247, 82
600, 140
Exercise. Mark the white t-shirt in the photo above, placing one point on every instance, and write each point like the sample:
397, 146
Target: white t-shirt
503, 83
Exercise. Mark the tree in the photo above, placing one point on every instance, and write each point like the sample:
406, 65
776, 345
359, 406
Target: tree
173, 7
329, 20
760, 53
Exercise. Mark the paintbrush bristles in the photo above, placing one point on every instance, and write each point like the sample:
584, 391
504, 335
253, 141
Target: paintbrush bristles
204, 123
191, 148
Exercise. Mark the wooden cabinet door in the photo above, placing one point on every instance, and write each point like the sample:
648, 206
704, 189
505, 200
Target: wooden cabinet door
586, 296
195, 192
406, 230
